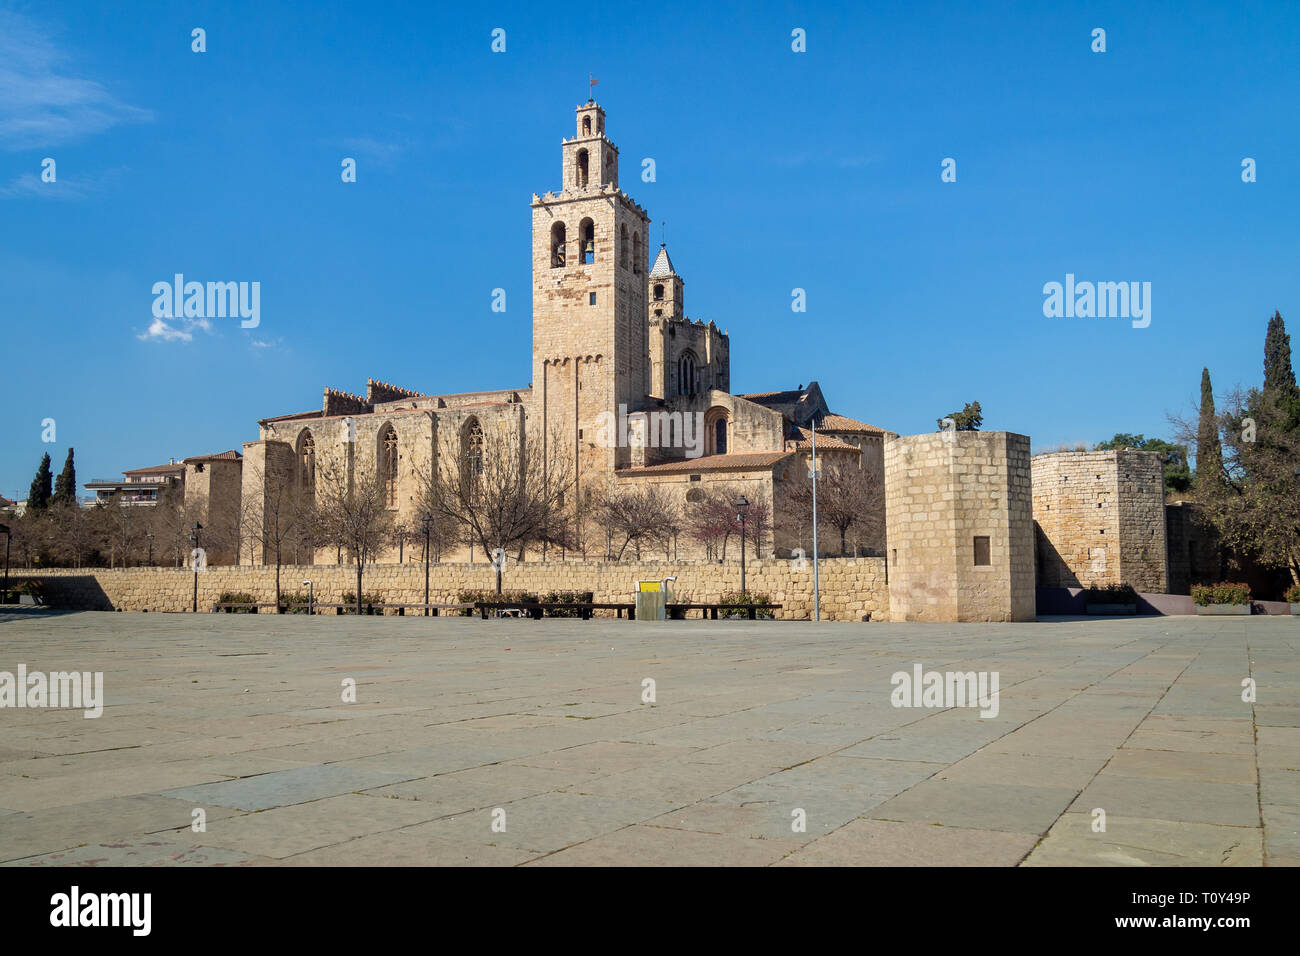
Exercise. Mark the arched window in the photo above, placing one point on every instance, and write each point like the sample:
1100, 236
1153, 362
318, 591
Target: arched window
586, 126
587, 242
557, 245
720, 436
686, 374
472, 449
388, 464
636, 253
307, 462
622, 248
659, 291
580, 176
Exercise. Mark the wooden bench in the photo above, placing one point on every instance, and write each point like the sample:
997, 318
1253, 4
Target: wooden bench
538, 609
229, 607
677, 612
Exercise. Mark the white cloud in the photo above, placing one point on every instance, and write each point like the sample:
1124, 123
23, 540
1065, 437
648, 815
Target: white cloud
160, 331
41, 103
383, 155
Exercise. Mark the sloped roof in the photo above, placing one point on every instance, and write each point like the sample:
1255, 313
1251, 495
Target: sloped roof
800, 439
663, 265
157, 470
230, 455
841, 423
737, 461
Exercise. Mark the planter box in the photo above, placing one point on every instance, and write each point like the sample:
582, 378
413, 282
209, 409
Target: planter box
1213, 609
1112, 609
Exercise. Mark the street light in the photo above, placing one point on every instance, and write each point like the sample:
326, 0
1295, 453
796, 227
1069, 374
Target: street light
741, 505
197, 529
427, 520
8, 538
310, 595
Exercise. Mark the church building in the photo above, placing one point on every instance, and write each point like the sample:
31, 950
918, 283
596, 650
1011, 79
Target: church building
625, 386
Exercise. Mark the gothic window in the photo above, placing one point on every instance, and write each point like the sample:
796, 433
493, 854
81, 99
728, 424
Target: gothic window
659, 292
557, 245
388, 465
636, 253
472, 447
622, 248
307, 463
581, 177
587, 242
686, 374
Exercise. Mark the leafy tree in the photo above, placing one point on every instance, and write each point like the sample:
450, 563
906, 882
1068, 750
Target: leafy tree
969, 419
38, 498
1177, 474
65, 488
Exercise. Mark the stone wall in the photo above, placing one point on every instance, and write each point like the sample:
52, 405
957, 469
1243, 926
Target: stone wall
850, 587
943, 492
1101, 519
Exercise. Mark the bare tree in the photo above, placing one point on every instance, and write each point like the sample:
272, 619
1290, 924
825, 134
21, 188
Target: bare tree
636, 516
351, 514
848, 500
76, 536
276, 522
121, 527
505, 498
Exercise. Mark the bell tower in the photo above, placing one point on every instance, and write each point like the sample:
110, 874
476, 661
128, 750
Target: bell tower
590, 343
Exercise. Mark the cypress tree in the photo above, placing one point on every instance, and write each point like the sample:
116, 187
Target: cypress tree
1279, 376
1278, 373
1209, 453
38, 498
65, 488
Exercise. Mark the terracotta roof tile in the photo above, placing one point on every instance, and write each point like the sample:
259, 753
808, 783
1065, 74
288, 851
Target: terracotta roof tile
840, 423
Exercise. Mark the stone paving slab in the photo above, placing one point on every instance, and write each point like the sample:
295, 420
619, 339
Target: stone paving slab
138, 853
242, 715
1140, 841
285, 787
884, 843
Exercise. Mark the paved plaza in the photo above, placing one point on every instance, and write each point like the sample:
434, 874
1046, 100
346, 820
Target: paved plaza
517, 742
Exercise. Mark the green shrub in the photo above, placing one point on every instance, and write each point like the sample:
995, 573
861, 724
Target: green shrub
1293, 594
238, 597
469, 597
33, 586
368, 602
741, 598
1225, 592
1111, 594
567, 597
287, 601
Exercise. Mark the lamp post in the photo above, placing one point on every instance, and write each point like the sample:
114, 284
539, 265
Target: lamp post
741, 505
197, 530
817, 593
311, 594
149, 535
427, 520
8, 537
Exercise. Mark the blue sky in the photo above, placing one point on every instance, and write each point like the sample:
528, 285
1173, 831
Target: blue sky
775, 170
